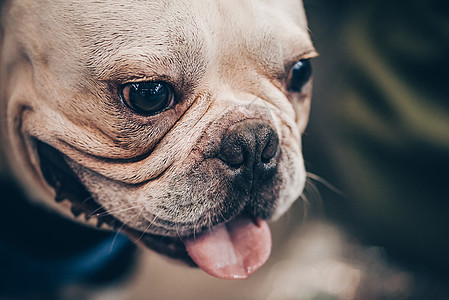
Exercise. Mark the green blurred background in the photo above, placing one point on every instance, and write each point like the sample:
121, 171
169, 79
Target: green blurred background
379, 128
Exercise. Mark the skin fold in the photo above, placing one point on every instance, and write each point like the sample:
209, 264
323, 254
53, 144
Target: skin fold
63, 64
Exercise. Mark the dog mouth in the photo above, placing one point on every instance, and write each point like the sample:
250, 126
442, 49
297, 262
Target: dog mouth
232, 250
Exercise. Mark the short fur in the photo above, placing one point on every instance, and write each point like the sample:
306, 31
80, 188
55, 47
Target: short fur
61, 64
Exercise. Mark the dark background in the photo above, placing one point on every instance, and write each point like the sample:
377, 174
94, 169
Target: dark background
379, 126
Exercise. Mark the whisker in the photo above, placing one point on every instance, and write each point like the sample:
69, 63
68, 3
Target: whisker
95, 211
87, 199
125, 206
324, 182
306, 205
313, 191
143, 232
115, 237
149, 225
311, 198
117, 210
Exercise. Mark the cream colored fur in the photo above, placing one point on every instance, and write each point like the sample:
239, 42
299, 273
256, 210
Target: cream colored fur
61, 61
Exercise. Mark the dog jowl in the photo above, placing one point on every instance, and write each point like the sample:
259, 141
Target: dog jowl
176, 122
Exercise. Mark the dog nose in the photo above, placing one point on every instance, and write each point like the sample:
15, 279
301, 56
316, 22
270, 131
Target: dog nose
249, 144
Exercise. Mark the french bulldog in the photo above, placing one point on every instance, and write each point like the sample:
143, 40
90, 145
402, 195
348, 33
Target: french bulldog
176, 122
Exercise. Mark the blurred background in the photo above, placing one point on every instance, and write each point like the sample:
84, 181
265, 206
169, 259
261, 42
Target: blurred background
379, 129
377, 149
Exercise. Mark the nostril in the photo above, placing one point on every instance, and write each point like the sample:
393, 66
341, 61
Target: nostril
271, 147
249, 144
236, 147
232, 153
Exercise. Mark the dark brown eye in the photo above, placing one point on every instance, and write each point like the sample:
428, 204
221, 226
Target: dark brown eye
147, 98
299, 75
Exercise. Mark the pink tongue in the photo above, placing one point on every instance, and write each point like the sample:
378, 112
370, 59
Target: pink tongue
232, 251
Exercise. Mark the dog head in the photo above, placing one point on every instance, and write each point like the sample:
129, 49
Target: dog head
177, 122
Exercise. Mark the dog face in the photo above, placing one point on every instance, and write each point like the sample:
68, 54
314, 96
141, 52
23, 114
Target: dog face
165, 119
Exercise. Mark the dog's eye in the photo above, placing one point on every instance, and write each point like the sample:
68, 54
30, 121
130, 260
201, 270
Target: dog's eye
148, 98
299, 75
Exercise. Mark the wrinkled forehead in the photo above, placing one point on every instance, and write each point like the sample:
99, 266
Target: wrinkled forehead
107, 34
167, 15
